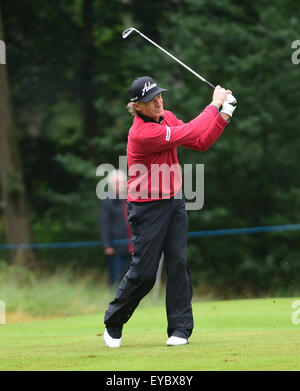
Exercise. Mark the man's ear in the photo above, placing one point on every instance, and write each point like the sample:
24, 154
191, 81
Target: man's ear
136, 106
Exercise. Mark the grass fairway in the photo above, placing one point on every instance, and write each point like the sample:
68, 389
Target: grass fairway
228, 335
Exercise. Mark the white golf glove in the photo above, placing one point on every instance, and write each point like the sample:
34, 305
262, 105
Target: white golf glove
229, 105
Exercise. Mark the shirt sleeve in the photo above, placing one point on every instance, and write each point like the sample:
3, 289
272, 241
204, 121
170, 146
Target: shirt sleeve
208, 138
199, 133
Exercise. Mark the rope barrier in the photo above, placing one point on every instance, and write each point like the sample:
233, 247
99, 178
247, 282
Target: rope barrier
195, 234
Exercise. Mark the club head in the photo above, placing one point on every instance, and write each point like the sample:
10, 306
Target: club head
127, 32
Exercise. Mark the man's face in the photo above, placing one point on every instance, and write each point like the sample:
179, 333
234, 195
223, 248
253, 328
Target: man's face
153, 109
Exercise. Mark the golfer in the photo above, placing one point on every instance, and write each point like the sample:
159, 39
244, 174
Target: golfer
157, 216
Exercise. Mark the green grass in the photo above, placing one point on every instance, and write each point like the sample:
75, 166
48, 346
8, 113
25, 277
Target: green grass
228, 335
62, 293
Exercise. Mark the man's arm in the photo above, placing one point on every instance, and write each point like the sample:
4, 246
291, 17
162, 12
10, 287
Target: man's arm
157, 138
154, 137
204, 142
207, 139
225, 116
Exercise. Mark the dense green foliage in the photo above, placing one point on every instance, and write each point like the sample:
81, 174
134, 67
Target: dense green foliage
70, 70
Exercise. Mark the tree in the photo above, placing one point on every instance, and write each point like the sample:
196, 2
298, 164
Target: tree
16, 214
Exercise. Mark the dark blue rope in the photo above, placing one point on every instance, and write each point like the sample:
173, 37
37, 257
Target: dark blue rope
196, 234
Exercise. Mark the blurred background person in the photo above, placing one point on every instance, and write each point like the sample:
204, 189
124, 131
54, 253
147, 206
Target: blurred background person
113, 226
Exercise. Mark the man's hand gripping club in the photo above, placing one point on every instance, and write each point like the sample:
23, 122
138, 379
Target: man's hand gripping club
224, 98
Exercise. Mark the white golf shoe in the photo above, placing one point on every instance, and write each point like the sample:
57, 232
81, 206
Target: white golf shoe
176, 341
111, 342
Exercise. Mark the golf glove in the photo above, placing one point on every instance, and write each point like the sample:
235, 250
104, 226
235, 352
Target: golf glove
229, 105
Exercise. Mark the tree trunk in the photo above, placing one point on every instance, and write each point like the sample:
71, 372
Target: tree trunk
87, 73
16, 215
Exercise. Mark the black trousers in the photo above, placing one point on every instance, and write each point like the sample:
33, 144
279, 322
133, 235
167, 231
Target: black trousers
157, 226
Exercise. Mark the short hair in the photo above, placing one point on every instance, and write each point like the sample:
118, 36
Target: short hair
131, 109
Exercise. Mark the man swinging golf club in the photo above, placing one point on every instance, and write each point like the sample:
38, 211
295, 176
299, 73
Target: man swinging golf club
158, 217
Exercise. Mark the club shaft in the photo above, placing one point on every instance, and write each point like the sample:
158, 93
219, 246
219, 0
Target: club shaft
176, 59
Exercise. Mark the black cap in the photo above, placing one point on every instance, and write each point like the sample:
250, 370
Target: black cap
144, 89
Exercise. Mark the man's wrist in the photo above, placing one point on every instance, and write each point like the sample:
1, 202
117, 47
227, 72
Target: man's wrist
225, 116
216, 103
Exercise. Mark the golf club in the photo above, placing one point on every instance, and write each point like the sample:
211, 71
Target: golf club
127, 32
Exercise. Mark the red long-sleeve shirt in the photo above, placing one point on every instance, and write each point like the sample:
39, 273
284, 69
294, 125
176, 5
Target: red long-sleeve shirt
154, 171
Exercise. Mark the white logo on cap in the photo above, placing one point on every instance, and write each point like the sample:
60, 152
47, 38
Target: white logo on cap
148, 87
